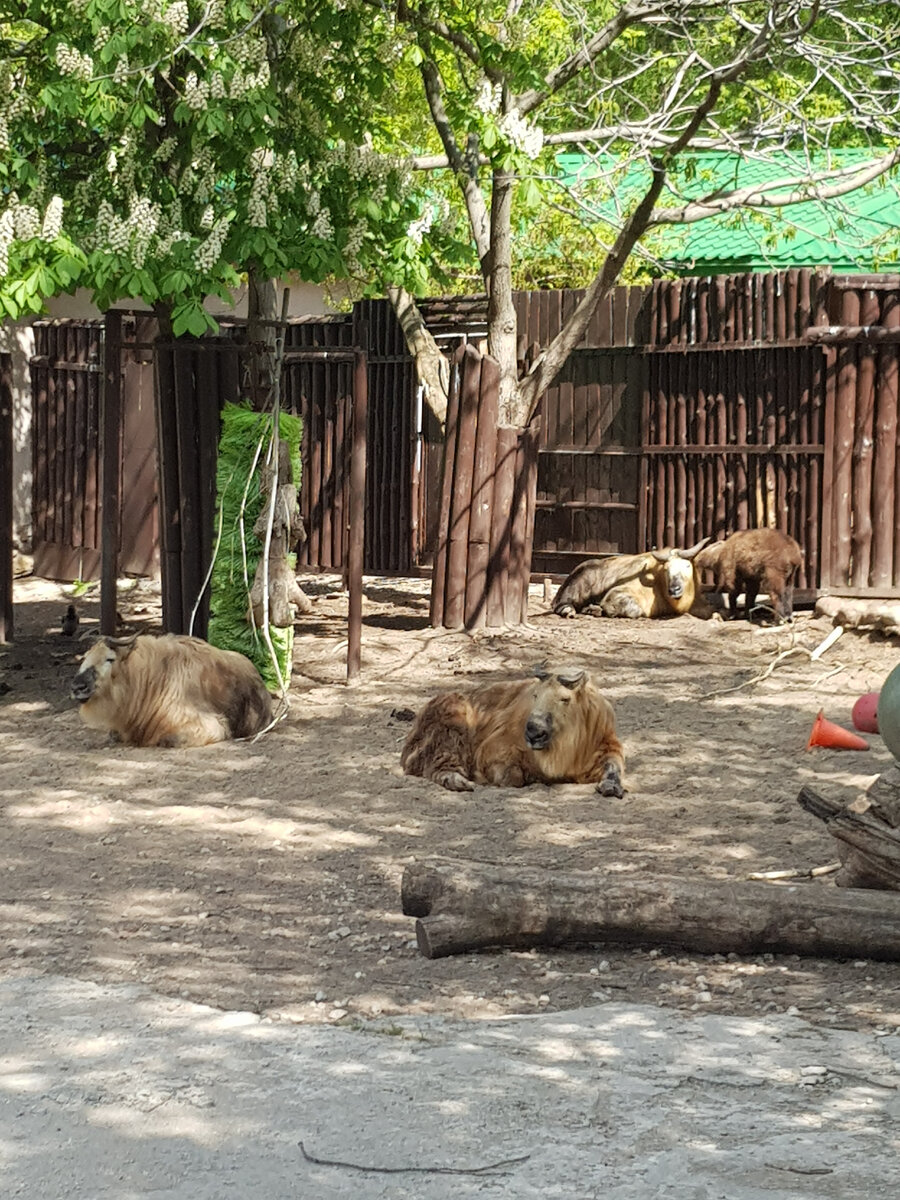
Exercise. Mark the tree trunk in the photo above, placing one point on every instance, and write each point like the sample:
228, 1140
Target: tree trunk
262, 313
470, 906
502, 332
432, 367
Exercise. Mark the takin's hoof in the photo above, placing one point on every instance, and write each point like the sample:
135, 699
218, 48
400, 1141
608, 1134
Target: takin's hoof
455, 782
565, 610
611, 786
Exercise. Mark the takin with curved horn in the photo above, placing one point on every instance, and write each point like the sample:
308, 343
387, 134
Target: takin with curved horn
555, 727
170, 691
661, 583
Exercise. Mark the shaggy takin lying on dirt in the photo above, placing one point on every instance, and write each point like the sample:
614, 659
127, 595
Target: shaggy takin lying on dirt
752, 561
553, 728
170, 691
662, 583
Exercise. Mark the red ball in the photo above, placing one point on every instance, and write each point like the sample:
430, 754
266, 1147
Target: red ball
865, 712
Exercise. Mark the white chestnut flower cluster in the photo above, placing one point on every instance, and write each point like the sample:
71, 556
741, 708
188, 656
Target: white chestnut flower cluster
120, 74
72, 62
18, 222
165, 149
4, 132
101, 38
176, 17
131, 236
355, 238
207, 253
489, 97
169, 231
418, 228
52, 223
204, 176
243, 82
261, 194
322, 226
196, 92
286, 172
527, 138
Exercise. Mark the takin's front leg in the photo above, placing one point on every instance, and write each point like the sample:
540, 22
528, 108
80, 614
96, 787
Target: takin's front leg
619, 602
608, 770
439, 745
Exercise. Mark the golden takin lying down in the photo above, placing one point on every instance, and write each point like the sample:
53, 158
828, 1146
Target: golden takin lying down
553, 728
170, 691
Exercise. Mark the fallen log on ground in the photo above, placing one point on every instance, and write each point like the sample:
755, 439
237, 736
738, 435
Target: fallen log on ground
472, 906
882, 616
866, 833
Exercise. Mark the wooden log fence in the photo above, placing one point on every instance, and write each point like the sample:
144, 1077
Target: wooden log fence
482, 563
689, 409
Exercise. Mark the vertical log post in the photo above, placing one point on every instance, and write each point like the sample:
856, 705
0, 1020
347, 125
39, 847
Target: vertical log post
884, 553
357, 515
501, 515
6, 499
863, 444
482, 496
170, 512
111, 467
844, 425
439, 574
461, 495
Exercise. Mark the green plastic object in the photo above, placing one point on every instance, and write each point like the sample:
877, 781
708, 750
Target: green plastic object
889, 712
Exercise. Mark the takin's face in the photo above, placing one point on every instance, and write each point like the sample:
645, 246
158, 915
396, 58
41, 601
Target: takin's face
550, 708
678, 574
95, 667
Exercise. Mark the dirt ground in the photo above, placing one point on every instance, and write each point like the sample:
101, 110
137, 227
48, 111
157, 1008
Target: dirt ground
266, 876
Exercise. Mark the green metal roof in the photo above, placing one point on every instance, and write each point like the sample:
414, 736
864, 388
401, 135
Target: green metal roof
857, 232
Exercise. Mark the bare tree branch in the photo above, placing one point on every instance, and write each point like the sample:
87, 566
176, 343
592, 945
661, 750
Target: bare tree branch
779, 193
630, 14
472, 194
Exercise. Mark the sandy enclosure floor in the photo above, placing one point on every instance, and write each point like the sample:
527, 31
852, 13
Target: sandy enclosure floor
266, 877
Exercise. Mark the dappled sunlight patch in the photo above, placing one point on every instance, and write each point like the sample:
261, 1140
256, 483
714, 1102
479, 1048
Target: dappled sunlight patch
21, 1078
165, 1117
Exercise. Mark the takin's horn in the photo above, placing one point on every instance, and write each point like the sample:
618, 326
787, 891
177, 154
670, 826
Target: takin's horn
571, 677
661, 555
540, 671
120, 643
694, 549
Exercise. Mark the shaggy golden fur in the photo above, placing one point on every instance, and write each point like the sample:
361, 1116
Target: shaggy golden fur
554, 729
662, 583
753, 561
170, 691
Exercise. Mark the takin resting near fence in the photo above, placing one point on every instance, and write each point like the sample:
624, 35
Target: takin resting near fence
553, 728
170, 691
752, 561
661, 583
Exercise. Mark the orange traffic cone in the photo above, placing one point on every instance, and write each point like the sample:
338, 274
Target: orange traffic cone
826, 733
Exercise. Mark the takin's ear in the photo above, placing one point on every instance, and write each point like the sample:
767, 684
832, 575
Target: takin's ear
572, 677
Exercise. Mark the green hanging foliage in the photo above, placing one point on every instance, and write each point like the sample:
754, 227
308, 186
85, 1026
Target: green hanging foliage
242, 454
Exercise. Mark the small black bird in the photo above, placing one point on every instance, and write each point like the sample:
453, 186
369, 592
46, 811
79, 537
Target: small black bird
70, 621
